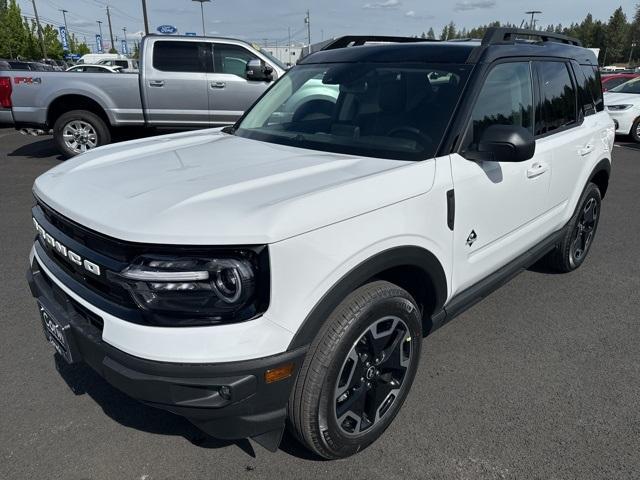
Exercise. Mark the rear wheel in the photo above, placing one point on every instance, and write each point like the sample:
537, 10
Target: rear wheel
79, 131
581, 230
358, 371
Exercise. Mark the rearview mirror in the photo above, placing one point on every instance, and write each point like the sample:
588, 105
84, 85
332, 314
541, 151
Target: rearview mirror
257, 70
503, 143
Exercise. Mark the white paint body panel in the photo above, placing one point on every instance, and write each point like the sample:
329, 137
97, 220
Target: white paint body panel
625, 118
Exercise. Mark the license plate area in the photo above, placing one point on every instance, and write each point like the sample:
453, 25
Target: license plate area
58, 334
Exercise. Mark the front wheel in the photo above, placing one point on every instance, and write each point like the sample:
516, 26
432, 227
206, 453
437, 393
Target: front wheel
358, 371
78, 131
635, 130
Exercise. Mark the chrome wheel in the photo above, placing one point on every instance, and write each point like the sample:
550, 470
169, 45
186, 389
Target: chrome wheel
585, 230
79, 136
372, 376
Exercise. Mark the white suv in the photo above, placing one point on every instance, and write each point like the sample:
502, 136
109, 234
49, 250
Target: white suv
288, 267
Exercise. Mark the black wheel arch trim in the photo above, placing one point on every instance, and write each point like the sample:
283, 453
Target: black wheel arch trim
405, 256
603, 165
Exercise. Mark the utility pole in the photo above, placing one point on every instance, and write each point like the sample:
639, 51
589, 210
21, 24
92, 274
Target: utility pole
124, 29
66, 29
533, 13
289, 45
146, 19
204, 33
307, 20
35, 12
633, 44
110, 29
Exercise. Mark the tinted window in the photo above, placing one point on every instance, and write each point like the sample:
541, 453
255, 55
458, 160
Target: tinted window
181, 56
382, 110
594, 85
558, 97
231, 59
585, 97
632, 86
91, 69
121, 63
505, 99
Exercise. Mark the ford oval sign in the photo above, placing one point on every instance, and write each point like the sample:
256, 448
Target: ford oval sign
167, 29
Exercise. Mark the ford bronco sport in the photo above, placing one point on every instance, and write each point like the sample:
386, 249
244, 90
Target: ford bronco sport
285, 270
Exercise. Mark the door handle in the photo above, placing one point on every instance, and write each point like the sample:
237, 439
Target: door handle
537, 169
156, 83
586, 150
218, 84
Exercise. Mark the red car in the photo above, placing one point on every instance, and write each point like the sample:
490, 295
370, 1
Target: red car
613, 80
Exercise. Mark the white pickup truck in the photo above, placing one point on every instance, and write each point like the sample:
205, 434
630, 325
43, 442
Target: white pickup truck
191, 82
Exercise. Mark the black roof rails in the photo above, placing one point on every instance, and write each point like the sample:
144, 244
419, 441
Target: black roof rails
501, 34
357, 40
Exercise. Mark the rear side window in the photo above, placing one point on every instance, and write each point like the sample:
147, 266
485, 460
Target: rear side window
558, 98
506, 98
594, 85
585, 97
171, 56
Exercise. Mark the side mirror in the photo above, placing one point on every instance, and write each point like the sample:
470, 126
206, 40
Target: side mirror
503, 143
257, 70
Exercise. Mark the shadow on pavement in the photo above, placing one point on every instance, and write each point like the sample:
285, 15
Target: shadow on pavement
127, 411
44, 148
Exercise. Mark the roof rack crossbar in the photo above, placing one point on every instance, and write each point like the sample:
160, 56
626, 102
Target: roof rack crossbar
503, 34
358, 40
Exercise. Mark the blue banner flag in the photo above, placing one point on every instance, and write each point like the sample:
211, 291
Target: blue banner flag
63, 38
99, 47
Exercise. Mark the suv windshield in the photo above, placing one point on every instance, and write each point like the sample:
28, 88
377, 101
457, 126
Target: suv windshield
396, 111
632, 86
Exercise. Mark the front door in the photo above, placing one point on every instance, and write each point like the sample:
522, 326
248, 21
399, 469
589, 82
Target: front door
230, 93
500, 206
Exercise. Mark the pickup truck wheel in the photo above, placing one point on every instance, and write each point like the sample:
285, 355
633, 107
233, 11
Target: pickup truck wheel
78, 131
357, 372
580, 232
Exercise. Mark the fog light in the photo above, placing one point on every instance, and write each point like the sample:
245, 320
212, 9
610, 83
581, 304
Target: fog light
279, 373
225, 392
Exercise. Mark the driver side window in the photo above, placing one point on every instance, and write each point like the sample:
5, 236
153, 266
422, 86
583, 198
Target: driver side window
506, 98
231, 59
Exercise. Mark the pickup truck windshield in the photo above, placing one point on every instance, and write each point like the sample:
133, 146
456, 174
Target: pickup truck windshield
395, 111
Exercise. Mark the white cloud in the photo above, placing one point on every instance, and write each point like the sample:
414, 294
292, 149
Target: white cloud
384, 4
416, 16
467, 5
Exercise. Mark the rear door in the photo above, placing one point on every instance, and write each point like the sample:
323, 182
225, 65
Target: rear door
175, 83
230, 93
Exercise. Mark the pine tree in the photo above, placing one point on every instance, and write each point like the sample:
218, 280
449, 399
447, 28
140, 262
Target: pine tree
431, 34
617, 36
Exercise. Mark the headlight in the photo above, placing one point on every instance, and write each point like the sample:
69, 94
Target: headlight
198, 290
619, 107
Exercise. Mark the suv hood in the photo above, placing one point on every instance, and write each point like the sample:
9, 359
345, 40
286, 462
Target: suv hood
210, 188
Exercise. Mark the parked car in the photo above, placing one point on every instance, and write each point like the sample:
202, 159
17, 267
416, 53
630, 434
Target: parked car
192, 82
613, 80
623, 105
127, 64
82, 68
288, 266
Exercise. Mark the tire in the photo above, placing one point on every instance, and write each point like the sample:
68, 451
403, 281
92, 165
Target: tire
379, 314
635, 131
91, 130
572, 250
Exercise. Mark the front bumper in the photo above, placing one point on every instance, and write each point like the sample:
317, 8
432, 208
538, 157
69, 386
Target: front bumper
248, 407
623, 120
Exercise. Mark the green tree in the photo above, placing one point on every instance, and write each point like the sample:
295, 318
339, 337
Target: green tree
431, 34
82, 49
617, 36
52, 42
13, 34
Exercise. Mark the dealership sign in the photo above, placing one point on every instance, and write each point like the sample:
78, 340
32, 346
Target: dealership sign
167, 29
99, 47
63, 38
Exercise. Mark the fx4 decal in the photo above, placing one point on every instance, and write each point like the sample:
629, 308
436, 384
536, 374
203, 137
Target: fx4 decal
27, 80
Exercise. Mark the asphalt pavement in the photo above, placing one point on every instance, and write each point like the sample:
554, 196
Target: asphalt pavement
540, 380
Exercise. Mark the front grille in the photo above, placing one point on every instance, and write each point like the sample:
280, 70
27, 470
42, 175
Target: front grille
65, 300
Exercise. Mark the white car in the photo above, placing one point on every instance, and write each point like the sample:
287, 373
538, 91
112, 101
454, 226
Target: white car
95, 69
288, 267
623, 105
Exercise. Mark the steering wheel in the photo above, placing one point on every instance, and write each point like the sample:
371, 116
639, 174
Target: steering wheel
410, 133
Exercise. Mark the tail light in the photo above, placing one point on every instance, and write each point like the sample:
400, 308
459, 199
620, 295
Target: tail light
5, 92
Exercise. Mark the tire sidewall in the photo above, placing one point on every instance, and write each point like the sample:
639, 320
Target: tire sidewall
634, 131
592, 191
103, 135
331, 434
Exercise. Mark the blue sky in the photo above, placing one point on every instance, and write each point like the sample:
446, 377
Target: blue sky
270, 19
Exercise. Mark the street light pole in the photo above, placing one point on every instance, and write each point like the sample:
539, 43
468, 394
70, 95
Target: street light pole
533, 13
124, 30
110, 29
204, 33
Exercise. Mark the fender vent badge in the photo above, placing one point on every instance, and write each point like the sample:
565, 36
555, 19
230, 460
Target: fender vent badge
472, 238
